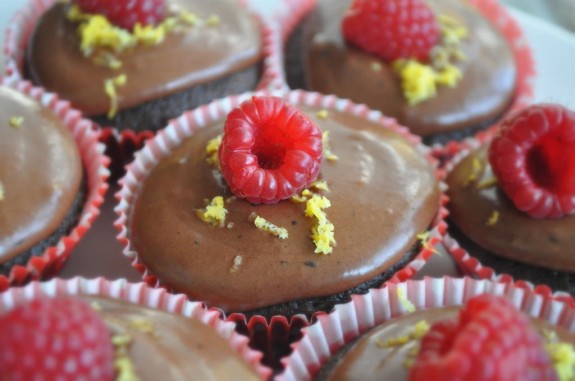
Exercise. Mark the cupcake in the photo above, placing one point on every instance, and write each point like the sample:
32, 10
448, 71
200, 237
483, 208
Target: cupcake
100, 330
136, 64
512, 201
51, 183
332, 200
440, 67
457, 329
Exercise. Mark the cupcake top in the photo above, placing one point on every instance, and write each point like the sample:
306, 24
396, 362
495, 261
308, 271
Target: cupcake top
477, 87
375, 191
197, 42
40, 174
400, 348
515, 197
118, 341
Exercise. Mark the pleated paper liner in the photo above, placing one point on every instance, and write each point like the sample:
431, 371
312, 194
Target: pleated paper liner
121, 144
494, 11
95, 164
262, 331
348, 321
140, 294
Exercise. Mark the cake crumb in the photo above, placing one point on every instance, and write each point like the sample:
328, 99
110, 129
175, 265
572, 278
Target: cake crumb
16, 121
493, 219
236, 264
214, 213
322, 114
96, 306
264, 225
110, 87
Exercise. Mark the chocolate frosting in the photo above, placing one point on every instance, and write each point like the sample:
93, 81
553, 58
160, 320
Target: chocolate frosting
368, 360
199, 55
383, 193
516, 235
484, 92
40, 174
178, 348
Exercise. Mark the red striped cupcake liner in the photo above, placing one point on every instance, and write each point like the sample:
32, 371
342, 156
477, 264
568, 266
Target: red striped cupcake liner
264, 333
95, 164
494, 11
141, 294
122, 144
348, 321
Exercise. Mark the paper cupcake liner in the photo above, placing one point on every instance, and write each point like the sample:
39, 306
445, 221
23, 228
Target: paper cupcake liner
95, 164
124, 143
138, 293
493, 11
331, 332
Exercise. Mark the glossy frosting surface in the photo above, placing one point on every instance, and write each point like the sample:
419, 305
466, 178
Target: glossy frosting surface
176, 349
543, 242
200, 54
383, 193
487, 87
40, 174
368, 359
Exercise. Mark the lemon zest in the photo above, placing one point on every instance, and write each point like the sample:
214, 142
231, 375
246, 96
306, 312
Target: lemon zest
322, 114
417, 80
323, 234
404, 301
563, 358
327, 153
96, 306
487, 183
264, 225
212, 150
493, 219
420, 330
448, 76
476, 169
213, 20
110, 87
143, 325
320, 185
16, 121
190, 18
214, 213
122, 361
424, 239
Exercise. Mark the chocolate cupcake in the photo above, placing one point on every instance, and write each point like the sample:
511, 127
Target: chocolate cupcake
142, 333
390, 334
381, 186
136, 69
452, 68
51, 183
511, 202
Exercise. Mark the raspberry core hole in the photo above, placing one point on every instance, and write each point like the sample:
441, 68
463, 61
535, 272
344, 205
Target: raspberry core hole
551, 164
270, 148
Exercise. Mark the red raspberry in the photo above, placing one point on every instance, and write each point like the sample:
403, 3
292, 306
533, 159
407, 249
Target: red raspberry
534, 160
491, 341
392, 29
270, 150
126, 13
55, 339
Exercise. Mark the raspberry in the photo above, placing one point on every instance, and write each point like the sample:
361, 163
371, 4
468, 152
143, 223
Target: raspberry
392, 29
534, 160
55, 339
491, 341
126, 13
270, 151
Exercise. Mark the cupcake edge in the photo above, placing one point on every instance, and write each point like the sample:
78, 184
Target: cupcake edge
86, 135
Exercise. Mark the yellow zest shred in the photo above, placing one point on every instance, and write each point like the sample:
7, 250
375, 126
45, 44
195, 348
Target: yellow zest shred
213, 20
424, 239
16, 121
476, 170
143, 325
1, 191
190, 18
322, 114
320, 185
122, 361
493, 219
266, 226
405, 303
149, 34
96, 306
299, 199
487, 183
419, 81
563, 358
323, 230
108, 60
416, 333
214, 213
110, 87
212, 150
327, 153
420, 330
